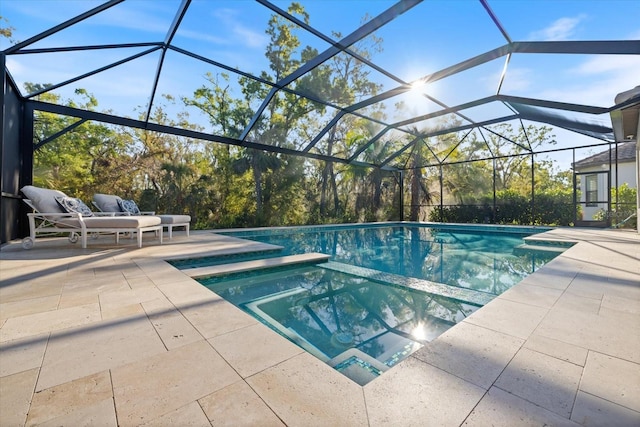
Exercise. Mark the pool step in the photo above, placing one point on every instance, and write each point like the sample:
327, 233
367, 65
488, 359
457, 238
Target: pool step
358, 366
528, 247
441, 289
257, 264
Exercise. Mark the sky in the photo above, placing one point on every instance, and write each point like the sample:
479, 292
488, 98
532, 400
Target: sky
431, 36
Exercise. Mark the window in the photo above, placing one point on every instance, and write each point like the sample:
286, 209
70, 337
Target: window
592, 189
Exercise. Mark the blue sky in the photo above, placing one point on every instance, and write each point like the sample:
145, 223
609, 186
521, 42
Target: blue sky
432, 35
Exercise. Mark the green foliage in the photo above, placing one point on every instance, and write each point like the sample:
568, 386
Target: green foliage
550, 208
554, 207
623, 206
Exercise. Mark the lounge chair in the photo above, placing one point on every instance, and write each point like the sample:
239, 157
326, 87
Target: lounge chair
55, 212
118, 206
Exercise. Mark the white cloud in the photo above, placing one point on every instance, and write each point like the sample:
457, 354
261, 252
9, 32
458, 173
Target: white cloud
516, 79
560, 29
242, 35
198, 35
597, 80
600, 64
142, 16
250, 37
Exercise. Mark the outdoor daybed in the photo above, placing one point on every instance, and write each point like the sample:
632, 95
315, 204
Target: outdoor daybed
119, 206
55, 212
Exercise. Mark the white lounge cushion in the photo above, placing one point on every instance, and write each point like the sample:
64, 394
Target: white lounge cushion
107, 202
44, 199
115, 221
174, 219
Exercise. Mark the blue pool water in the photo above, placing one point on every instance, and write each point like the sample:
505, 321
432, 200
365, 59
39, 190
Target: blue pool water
358, 326
386, 291
482, 258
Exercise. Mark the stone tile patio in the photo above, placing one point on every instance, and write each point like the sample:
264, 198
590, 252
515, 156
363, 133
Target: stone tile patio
113, 335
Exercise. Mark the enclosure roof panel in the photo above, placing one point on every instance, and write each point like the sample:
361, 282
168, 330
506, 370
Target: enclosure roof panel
301, 77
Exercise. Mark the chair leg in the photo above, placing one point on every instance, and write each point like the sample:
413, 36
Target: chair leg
83, 239
187, 229
170, 227
139, 238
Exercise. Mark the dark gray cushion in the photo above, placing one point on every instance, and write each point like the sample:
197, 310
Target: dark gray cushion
175, 219
107, 202
44, 199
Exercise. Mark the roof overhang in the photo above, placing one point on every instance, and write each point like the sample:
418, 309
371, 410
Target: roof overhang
626, 114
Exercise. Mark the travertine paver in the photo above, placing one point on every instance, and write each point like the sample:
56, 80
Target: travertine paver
184, 294
83, 351
171, 326
587, 330
20, 355
28, 306
127, 310
53, 320
157, 385
613, 379
238, 405
216, 317
98, 415
532, 295
74, 401
558, 349
171, 381
557, 275
590, 410
304, 391
572, 302
73, 299
113, 299
136, 282
14, 290
511, 318
237, 348
501, 409
626, 304
543, 380
471, 352
414, 393
16, 392
190, 415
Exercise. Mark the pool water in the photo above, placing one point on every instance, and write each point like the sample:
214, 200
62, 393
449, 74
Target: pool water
386, 291
356, 325
485, 259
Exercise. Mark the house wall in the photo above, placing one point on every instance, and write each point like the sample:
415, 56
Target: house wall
626, 174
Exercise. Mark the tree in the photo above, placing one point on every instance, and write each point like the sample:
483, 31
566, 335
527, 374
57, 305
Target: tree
83, 159
6, 32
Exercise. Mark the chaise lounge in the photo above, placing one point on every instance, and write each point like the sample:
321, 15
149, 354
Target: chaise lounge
54, 212
113, 204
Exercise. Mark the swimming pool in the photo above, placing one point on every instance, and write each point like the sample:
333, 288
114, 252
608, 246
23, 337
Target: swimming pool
483, 258
386, 291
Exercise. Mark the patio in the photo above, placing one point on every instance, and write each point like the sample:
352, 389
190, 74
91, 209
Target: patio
113, 335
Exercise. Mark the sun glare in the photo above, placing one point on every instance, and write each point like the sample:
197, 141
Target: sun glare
419, 332
418, 85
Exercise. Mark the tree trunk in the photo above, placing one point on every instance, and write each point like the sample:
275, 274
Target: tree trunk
257, 178
414, 214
